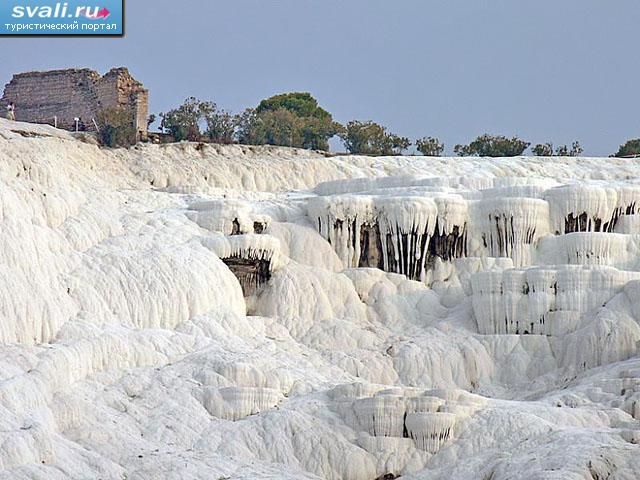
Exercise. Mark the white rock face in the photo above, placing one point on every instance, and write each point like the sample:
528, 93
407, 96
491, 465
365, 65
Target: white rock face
172, 312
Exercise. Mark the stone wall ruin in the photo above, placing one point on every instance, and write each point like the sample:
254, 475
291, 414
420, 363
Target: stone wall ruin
59, 96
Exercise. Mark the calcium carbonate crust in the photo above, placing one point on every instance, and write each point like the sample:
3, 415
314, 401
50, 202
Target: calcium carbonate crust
234, 312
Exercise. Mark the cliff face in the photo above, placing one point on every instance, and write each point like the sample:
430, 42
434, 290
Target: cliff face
41, 97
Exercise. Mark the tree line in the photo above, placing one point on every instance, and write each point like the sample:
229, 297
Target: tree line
296, 120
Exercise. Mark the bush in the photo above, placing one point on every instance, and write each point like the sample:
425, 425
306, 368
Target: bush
493, 146
546, 150
543, 150
246, 127
116, 127
564, 151
220, 124
290, 120
630, 149
183, 123
430, 146
369, 138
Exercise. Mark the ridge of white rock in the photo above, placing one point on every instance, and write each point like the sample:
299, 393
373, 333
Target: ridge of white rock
190, 311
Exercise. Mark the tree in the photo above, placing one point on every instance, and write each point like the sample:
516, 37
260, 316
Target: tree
183, 123
302, 104
316, 132
543, 150
369, 138
564, 151
576, 149
546, 150
313, 125
630, 149
275, 127
220, 124
493, 146
462, 150
430, 146
116, 127
247, 131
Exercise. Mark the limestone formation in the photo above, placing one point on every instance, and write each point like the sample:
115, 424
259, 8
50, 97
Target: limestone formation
177, 311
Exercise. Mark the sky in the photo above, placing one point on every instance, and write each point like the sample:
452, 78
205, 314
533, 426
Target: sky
545, 70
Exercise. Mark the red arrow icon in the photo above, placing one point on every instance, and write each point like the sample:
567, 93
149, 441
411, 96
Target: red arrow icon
104, 13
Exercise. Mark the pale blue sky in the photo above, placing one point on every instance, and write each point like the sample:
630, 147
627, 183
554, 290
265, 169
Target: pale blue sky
553, 70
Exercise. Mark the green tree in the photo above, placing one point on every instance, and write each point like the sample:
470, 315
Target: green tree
493, 146
220, 124
630, 149
316, 132
574, 151
183, 123
543, 150
278, 127
116, 127
370, 138
302, 104
247, 129
546, 150
430, 146
311, 128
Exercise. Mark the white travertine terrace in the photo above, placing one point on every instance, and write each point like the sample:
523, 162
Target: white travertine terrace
176, 311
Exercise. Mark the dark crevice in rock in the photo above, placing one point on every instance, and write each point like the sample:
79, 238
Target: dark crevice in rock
251, 273
235, 230
259, 227
449, 246
370, 247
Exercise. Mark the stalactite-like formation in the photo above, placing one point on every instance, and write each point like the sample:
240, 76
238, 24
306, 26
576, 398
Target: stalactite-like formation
429, 430
510, 226
448, 246
236, 403
428, 418
252, 273
407, 234
542, 300
397, 234
252, 258
590, 208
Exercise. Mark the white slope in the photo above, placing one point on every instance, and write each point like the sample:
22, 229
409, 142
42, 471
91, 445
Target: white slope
128, 349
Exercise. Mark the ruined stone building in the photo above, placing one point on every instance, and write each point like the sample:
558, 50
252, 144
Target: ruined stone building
60, 96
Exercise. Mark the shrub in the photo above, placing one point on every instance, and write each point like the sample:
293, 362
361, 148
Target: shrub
493, 146
430, 146
183, 123
543, 150
369, 138
564, 151
116, 127
630, 149
220, 124
247, 128
546, 150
